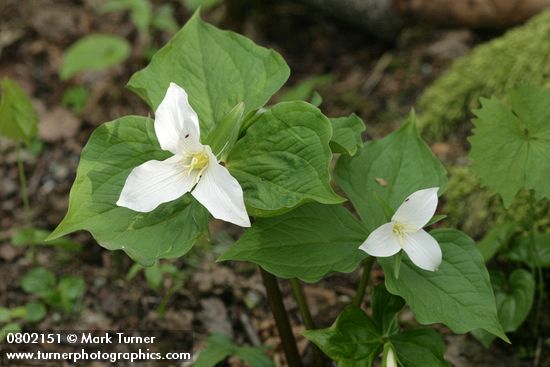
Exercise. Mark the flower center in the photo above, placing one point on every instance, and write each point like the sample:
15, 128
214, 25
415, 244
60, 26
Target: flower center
400, 230
196, 162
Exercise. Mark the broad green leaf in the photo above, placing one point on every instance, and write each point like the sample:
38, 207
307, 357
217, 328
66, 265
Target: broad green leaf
458, 294
419, 347
535, 254
219, 347
18, 120
510, 147
346, 134
36, 236
514, 297
306, 243
352, 341
283, 160
388, 170
113, 150
385, 307
94, 52
39, 281
140, 11
304, 90
218, 69
498, 237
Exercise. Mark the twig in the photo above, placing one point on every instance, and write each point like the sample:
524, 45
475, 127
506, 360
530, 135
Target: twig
377, 73
250, 330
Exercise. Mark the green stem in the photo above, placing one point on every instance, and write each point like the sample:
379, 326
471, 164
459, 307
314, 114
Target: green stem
25, 197
24, 190
306, 316
540, 303
364, 281
302, 303
281, 319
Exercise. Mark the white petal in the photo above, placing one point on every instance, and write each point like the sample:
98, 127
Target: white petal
423, 250
382, 242
154, 183
418, 208
176, 123
221, 194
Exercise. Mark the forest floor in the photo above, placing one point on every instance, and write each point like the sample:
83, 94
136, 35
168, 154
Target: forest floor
377, 80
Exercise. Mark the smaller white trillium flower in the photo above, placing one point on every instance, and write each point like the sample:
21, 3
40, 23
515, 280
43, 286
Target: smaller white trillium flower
192, 168
405, 232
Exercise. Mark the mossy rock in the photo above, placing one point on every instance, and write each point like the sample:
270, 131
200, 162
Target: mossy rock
521, 56
474, 209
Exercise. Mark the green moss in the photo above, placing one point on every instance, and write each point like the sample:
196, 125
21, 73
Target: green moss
474, 209
521, 56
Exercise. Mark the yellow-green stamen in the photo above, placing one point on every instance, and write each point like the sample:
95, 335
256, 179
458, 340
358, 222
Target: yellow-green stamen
400, 230
196, 161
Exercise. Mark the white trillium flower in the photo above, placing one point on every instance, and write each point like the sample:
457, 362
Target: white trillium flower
405, 232
193, 167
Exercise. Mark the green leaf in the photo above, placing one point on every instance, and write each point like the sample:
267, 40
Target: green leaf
385, 307
435, 219
39, 281
498, 237
534, 254
514, 297
5, 315
352, 341
346, 134
419, 347
153, 276
316, 99
458, 294
18, 119
113, 150
304, 90
254, 357
218, 69
10, 328
389, 169
222, 137
307, 243
283, 160
140, 11
70, 290
510, 147
134, 270
164, 20
35, 236
219, 347
75, 98
34, 311
94, 52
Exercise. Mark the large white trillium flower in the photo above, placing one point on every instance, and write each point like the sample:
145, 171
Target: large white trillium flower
193, 167
405, 232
